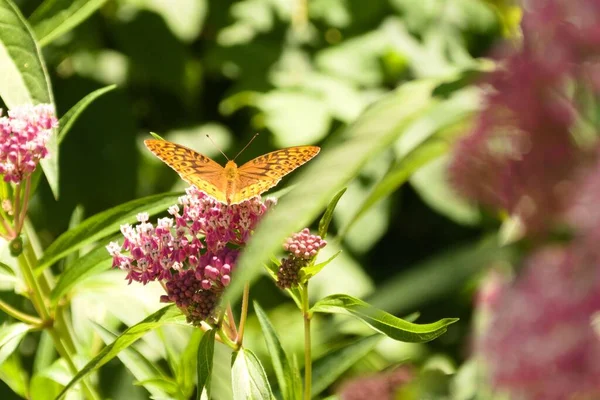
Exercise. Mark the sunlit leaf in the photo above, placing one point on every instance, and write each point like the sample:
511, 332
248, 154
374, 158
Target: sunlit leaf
248, 377
169, 314
206, 351
145, 371
10, 337
289, 386
328, 215
382, 321
54, 18
94, 262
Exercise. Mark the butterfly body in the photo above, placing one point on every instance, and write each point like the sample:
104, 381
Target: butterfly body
231, 184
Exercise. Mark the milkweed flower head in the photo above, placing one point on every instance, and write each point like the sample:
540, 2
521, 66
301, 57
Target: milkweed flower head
193, 252
24, 133
540, 342
523, 152
302, 248
382, 386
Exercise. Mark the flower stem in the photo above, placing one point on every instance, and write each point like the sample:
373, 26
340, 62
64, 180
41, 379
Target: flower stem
307, 343
21, 316
17, 207
20, 217
245, 299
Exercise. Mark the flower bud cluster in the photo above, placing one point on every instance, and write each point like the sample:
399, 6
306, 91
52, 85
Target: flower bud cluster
303, 247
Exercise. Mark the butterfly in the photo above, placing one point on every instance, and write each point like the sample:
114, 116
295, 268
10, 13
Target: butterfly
231, 184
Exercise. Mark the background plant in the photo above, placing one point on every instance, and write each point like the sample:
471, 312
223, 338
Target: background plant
385, 88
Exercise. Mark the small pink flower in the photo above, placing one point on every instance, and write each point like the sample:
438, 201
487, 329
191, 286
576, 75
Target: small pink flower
23, 137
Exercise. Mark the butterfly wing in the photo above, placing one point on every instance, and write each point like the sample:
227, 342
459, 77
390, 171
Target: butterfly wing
191, 166
264, 172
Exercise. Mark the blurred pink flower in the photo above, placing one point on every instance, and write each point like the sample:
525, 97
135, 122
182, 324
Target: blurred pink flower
23, 137
382, 386
540, 342
521, 156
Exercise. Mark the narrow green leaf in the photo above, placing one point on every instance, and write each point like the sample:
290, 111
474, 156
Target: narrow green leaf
145, 371
96, 261
328, 215
156, 136
248, 377
104, 224
375, 130
187, 370
382, 321
308, 272
23, 76
10, 337
206, 352
6, 270
54, 18
397, 176
68, 120
330, 367
289, 387
169, 314
14, 375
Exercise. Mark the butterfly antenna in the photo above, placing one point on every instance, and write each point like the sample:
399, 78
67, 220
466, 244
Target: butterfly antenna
246, 146
218, 148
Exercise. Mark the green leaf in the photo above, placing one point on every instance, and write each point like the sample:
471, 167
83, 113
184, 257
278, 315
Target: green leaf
330, 367
187, 364
145, 371
54, 18
382, 321
104, 224
10, 337
68, 120
14, 375
169, 314
289, 386
398, 175
23, 76
328, 215
96, 261
374, 131
156, 136
248, 377
309, 272
206, 352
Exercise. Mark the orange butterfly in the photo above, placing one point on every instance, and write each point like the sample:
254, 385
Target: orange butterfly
230, 184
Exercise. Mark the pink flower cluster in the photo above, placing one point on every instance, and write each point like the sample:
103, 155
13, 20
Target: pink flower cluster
191, 251
382, 386
521, 156
303, 247
23, 137
540, 342
528, 155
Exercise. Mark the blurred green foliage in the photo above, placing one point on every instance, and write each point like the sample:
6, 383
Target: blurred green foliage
298, 72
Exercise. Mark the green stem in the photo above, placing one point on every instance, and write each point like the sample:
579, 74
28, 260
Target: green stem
16, 207
20, 217
21, 316
40, 291
245, 299
307, 343
226, 340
